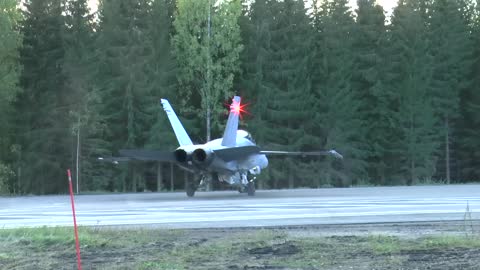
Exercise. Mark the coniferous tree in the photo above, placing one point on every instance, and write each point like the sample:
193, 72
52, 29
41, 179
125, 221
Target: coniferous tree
288, 105
276, 80
451, 49
469, 144
369, 83
10, 42
42, 108
400, 101
207, 47
337, 119
411, 68
123, 82
257, 24
259, 20
78, 41
163, 73
163, 85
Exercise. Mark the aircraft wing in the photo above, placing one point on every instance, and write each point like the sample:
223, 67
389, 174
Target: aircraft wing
232, 153
304, 154
114, 160
140, 154
147, 155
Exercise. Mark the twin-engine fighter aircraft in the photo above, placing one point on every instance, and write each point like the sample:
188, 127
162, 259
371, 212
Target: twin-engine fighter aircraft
234, 159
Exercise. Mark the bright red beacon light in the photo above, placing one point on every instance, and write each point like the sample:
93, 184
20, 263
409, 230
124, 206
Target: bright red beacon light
237, 108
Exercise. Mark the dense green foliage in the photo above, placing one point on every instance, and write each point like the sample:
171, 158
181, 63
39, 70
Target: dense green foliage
399, 97
10, 43
207, 45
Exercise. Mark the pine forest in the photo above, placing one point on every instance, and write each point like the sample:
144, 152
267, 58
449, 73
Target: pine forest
397, 95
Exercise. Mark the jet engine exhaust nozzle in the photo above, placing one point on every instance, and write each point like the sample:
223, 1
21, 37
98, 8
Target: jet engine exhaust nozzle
181, 155
201, 155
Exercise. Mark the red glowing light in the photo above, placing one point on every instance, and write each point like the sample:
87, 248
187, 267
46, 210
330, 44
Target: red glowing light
235, 107
238, 109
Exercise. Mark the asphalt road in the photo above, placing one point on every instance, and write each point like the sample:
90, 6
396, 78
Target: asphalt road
231, 209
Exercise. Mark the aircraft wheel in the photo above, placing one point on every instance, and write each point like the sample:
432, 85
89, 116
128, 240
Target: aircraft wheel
191, 188
251, 188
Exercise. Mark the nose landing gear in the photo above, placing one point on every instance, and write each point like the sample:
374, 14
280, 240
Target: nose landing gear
251, 188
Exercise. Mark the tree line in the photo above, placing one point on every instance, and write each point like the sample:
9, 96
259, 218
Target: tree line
399, 97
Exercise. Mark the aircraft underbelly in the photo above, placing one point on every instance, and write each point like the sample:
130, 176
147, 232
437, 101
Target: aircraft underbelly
245, 164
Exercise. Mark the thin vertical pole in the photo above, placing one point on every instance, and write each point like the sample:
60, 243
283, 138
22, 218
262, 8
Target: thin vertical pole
77, 242
78, 154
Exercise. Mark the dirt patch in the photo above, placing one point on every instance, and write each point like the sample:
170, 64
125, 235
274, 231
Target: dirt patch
306, 248
450, 258
283, 249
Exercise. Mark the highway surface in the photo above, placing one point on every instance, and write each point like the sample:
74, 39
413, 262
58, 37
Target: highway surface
231, 209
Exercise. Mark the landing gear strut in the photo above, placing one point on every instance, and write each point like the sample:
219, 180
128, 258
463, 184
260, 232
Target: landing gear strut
251, 188
248, 186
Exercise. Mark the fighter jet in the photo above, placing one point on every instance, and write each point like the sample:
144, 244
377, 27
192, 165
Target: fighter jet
234, 159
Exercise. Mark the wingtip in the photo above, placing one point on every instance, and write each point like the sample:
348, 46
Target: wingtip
336, 154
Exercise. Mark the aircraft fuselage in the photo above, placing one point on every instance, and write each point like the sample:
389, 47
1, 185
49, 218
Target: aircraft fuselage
202, 158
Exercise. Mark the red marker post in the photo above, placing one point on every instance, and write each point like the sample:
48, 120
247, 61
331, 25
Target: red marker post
77, 243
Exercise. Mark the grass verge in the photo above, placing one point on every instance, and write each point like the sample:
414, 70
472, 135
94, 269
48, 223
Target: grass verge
106, 248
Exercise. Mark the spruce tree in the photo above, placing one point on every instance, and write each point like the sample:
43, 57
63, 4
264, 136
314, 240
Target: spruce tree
10, 68
122, 82
162, 68
410, 67
337, 120
369, 82
257, 27
289, 106
42, 109
469, 122
78, 41
163, 74
451, 50
257, 24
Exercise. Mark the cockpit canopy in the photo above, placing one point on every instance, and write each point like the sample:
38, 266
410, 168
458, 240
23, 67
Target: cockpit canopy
245, 134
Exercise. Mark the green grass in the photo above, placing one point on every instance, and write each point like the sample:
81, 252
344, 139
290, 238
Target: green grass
451, 241
160, 265
56, 237
107, 248
383, 244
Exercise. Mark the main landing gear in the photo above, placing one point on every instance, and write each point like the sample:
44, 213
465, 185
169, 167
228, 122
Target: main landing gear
249, 188
244, 184
200, 182
191, 186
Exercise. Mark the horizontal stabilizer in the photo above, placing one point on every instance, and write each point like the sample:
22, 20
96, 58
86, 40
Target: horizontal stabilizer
317, 153
148, 155
235, 153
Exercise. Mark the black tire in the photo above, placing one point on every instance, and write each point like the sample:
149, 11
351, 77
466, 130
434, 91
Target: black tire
251, 188
191, 188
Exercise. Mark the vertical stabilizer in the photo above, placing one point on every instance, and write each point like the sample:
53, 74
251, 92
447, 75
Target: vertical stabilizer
182, 136
230, 134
